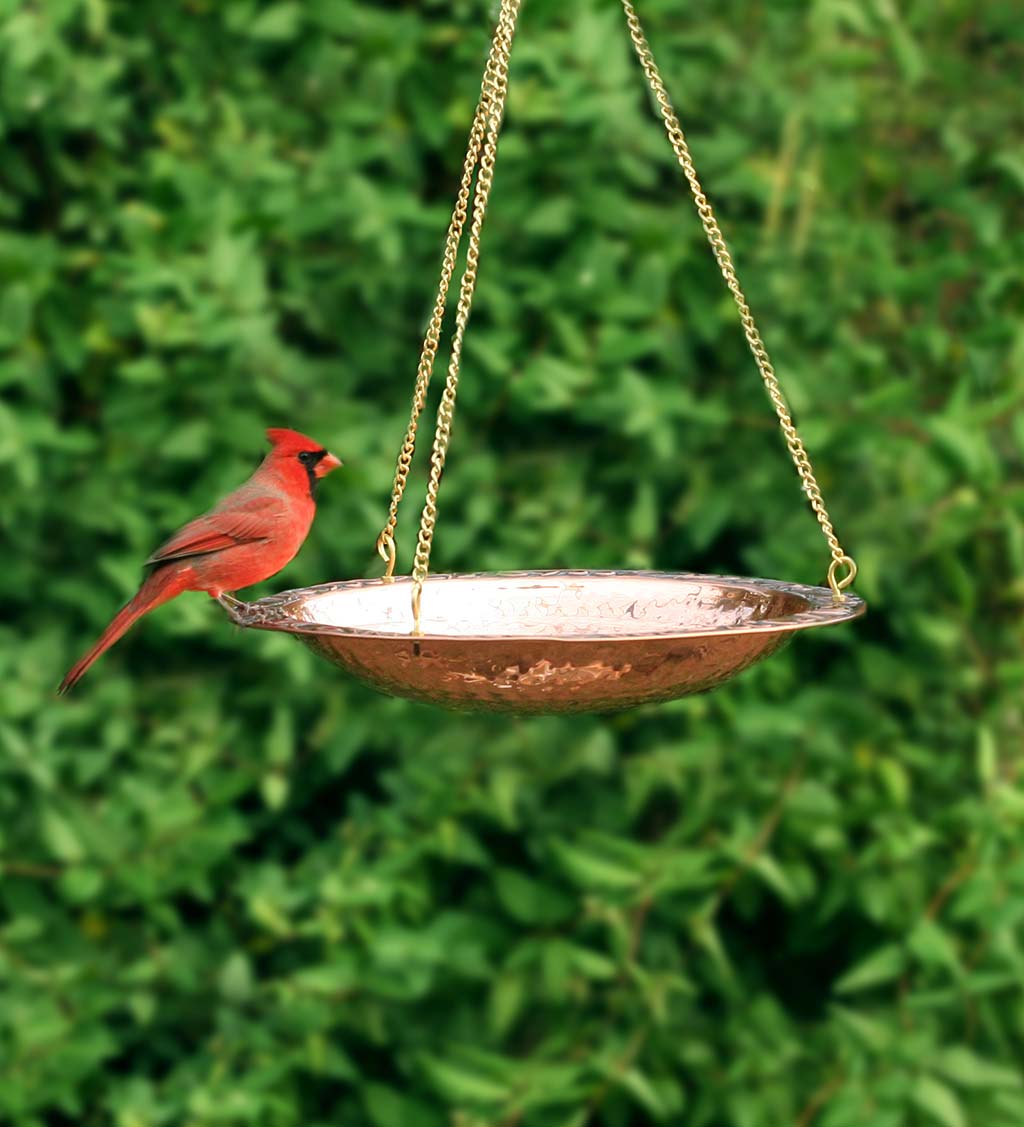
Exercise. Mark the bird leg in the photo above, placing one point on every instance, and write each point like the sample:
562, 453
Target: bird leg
229, 602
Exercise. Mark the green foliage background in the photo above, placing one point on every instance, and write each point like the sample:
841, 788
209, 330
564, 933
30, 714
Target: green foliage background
239, 889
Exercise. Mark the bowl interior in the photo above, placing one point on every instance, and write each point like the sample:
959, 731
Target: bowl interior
565, 604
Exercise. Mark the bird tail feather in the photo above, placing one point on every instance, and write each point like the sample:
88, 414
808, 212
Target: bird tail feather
158, 587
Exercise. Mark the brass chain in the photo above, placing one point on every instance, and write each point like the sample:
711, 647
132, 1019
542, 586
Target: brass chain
495, 87
707, 217
480, 159
386, 540
491, 81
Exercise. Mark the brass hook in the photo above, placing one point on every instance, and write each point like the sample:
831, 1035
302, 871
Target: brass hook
839, 585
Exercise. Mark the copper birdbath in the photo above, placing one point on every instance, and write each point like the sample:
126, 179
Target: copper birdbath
549, 641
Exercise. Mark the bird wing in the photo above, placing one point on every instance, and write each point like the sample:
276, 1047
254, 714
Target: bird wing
247, 521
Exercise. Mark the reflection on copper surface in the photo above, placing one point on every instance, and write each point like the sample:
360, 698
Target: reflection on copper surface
549, 641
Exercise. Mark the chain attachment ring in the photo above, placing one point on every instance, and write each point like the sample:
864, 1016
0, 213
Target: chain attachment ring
839, 585
386, 551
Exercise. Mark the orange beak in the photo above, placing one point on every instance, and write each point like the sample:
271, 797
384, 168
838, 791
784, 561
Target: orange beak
327, 463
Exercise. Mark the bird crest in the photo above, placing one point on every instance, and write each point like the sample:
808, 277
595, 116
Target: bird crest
287, 441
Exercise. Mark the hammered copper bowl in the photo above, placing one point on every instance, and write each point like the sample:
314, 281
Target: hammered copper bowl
549, 641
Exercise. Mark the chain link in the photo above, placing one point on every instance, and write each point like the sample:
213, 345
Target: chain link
710, 224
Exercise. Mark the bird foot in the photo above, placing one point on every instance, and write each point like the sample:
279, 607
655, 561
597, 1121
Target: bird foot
230, 603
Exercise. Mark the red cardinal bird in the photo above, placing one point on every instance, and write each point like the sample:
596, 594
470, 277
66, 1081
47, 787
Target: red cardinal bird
248, 537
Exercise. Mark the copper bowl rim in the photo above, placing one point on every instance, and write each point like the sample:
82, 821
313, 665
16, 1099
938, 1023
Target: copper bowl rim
274, 611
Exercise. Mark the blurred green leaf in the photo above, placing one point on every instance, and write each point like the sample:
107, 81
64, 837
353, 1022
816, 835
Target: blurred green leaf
964, 1067
939, 1102
530, 901
881, 966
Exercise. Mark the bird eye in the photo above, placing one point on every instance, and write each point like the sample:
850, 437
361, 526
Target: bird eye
305, 457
